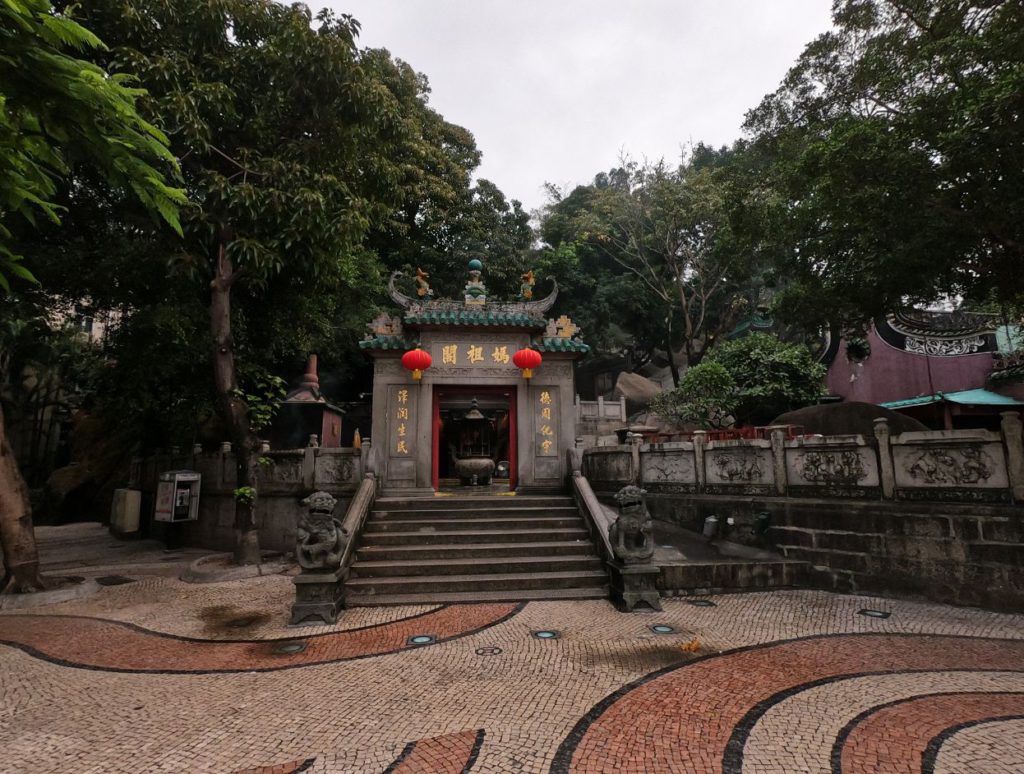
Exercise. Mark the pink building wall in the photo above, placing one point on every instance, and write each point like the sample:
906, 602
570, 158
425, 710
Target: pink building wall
889, 373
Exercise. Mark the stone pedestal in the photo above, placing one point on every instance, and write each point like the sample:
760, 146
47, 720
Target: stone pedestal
632, 584
317, 595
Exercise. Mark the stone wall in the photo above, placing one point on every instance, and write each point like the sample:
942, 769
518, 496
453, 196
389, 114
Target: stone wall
285, 479
973, 466
934, 514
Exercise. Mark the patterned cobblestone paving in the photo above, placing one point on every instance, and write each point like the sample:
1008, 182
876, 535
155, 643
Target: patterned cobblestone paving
130, 680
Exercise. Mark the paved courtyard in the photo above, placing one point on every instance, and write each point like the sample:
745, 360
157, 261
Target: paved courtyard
157, 675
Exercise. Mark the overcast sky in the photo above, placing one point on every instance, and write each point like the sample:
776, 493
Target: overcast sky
554, 90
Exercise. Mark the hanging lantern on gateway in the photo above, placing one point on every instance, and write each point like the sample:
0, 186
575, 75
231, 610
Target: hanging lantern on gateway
527, 359
417, 361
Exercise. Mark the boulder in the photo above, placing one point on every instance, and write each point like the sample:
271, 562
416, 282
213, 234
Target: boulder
850, 418
638, 390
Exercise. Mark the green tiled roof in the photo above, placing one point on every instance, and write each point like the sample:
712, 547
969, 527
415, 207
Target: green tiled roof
481, 317
388, 342
963, 397
561, 344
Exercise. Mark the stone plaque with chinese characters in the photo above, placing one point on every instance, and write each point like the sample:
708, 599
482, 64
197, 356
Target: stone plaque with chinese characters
401, 420
545, 419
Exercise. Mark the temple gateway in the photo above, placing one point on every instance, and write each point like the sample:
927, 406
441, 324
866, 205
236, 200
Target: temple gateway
472, 392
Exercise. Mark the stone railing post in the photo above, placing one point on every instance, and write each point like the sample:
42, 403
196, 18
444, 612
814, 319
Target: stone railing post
885, 467
635, 439
1014, 453
778, 439
622, 409
365, 463
309, 466
700, 439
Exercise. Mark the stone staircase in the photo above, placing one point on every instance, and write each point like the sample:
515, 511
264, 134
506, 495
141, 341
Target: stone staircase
474, 549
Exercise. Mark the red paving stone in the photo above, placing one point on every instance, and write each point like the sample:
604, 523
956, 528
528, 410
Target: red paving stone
449, 754
684, 719
97, 643
894, 739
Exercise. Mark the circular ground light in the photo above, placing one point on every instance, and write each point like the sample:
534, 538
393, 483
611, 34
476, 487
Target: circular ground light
701, 602
874, 613
545, 634
290, 647
662, 629
422, 639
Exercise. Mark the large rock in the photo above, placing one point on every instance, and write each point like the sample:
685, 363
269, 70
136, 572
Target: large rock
638, 391
849, 418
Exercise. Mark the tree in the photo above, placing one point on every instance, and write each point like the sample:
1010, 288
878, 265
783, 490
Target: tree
286, 151
896, 148
55, 110
754, 379
670, 230
706, 396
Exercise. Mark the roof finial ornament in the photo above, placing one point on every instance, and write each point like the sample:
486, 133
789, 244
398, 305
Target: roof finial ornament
476, 292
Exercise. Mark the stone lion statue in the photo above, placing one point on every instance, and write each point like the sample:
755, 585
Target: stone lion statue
320, 540
631, 535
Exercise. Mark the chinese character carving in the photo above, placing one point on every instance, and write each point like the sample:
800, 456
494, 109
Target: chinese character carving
401, 430
403, 413
546, 412
546, 430
475, 354
403, 396
402, 448
500, 355
546, 445
450, 354
545, 397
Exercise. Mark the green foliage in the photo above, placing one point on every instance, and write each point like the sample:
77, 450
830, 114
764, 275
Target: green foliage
263, 398
706, 396
666, 237
897, 151
57, 110
245, 495
771, 376
752, 380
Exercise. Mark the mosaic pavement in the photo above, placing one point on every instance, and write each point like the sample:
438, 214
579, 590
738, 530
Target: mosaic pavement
162, 676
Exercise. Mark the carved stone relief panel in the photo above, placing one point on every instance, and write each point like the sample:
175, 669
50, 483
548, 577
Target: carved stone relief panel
608, 466
677, 466
335, 468
832, 467
963, 466
738, 466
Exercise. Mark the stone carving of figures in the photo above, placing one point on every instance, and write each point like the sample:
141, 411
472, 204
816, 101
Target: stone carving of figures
320, 539
632, 535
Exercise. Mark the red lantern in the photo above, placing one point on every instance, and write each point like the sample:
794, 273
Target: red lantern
527, 359
417, 361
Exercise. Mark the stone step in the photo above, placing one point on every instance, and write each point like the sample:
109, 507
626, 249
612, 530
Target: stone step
379, 514
418, 537
442, 597
475, 566
471, 550
432, 584
460, 501
488, 523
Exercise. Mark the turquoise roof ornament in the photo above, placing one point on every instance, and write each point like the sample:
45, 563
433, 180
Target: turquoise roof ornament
476, 264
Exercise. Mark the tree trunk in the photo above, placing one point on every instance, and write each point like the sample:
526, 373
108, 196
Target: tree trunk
21, 558
672, 367
234, 411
